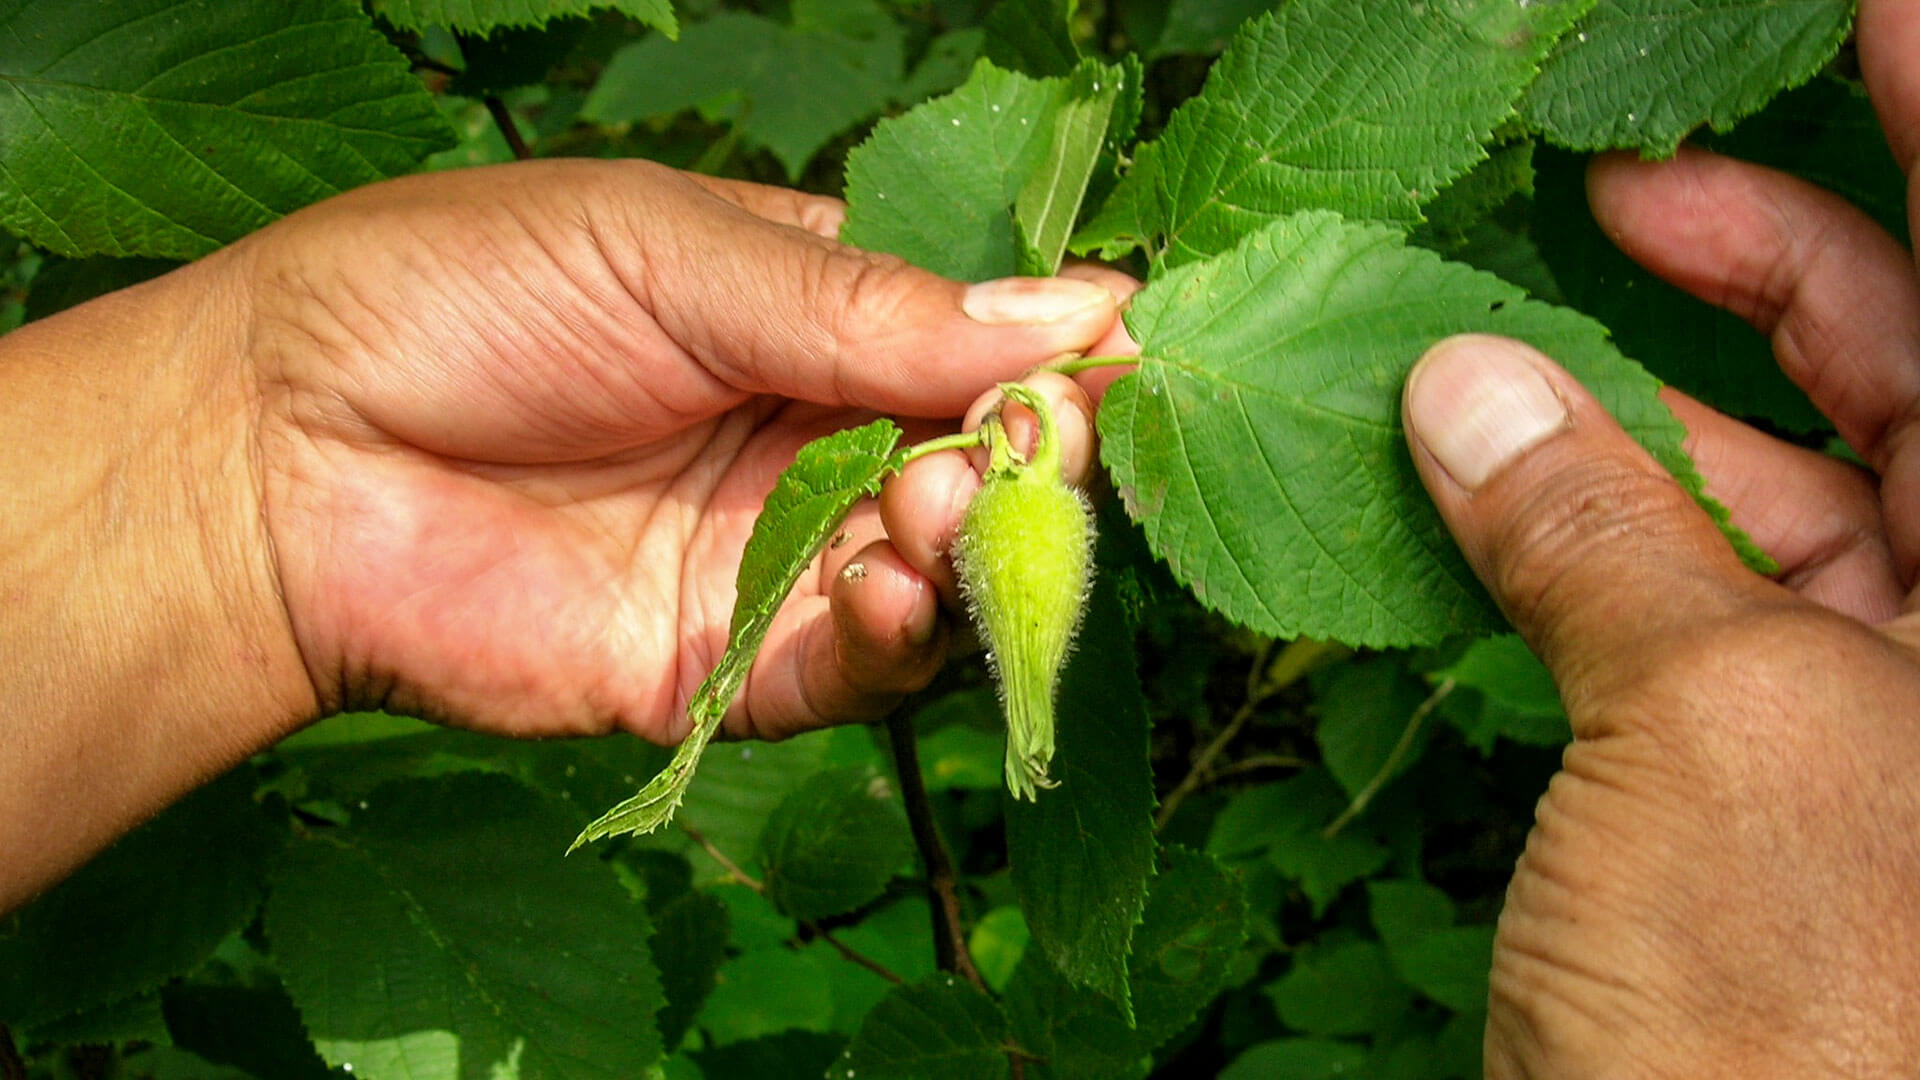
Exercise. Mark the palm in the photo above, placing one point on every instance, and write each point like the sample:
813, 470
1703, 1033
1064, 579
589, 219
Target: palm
504, 490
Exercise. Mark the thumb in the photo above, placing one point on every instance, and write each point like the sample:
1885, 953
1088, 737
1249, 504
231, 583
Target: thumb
774, 309
1598, 556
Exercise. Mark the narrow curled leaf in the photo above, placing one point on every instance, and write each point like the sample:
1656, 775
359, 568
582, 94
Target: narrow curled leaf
1099, 111
807, 504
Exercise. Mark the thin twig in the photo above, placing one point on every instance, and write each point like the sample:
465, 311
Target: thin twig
11, 1067
510, 131
1380, 777
1257, 762
949, 936
1269, 675
733, 870
855, 955
720, 857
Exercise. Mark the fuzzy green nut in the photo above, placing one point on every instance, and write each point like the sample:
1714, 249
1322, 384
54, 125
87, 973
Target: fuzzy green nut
1025, 557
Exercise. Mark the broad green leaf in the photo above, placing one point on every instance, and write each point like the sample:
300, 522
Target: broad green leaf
1082, 854
170, 127
833, 844
962, 741
1297, 1059
1641, 74
485, 16
1193, 928
1340, 989
807, 504
1506, 174
997, 943
1450, 966
1365, 109
788, 87
152, 906
172, 1063
938, 186
1705, 350
1033, 37
689, 943
936, 1029
1404, 911
788, 1055
1365, 708
737, 790
1203, 27
134, 1019
948, 61
771, 990
1260, 447
1048, 206
1513, 695
1283, 823
255, 1028
439, 936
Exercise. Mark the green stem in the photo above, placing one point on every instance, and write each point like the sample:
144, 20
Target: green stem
1399, 752
1088, 363
965, 440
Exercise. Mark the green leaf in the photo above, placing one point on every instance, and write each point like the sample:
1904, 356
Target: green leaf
948, 61
768, 991
1643, 73
1202, 27
962, 741
1450, 966
1194, 925
1033, 37
152, 906
1404, 911
485, 16
170, 1063
789, 1055
134, 1019
1297, 1059
1365, 109
938, 186
807, 504
1082, 854
1514, 696
1364, 709
789, 88
1506, 174
833, 844
1705, 350
689, 943
254, 1028
1340, 989
936, 1029
1048, 206
1260, 446
170, 127
1283, 822
997, 943
440, 936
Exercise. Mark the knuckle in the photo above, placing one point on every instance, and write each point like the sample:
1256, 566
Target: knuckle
1582, 529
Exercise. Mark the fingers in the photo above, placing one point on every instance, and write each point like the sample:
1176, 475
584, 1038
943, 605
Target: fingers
817, 214
1592, 550
1117, 342
923, 507
1838, 296
1889, 37
1817, 516
772, 309
847, 655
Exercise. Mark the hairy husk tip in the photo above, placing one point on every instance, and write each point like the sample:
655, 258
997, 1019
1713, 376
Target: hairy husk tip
1025, 557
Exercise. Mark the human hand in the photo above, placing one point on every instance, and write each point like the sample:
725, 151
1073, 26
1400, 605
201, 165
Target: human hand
1721, 880
514, 427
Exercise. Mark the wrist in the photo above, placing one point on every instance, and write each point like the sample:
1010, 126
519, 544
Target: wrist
142, 628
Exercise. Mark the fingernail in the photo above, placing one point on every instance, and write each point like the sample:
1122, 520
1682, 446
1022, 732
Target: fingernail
1477, 402
1031, 301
